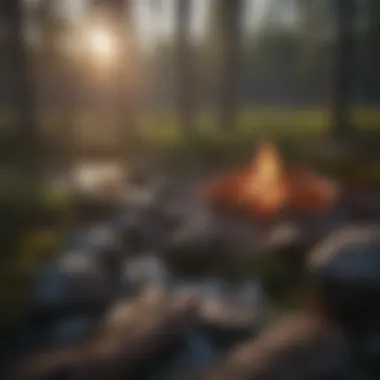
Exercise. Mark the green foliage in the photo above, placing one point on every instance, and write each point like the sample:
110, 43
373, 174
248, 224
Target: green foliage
35, 219
27, 207
280, 270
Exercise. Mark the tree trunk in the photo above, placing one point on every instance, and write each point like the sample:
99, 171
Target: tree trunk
124, 87
185, 82
23, 87
119, 13
56, 74
342, 68
372, 50
231, 31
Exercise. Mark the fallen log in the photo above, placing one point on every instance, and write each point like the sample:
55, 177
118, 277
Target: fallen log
298, 345
151, 327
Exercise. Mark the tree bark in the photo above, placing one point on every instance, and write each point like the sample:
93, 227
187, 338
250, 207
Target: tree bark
22, 76
126, 74
342, 68
231, 31
185, 82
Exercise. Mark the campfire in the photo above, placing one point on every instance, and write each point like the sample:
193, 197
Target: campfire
266, 187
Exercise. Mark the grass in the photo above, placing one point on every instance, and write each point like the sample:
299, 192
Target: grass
297, 131
161, 126
264, 122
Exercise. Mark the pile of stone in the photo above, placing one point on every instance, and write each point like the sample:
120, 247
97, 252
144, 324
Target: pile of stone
120, 300
339, 337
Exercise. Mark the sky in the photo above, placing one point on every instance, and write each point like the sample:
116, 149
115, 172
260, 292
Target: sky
161, 24
164, 23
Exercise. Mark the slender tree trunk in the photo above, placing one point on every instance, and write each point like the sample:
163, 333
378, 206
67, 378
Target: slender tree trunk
342, 68
53, 74
185, 82
231, 31
125, 74
23, 86
119, 13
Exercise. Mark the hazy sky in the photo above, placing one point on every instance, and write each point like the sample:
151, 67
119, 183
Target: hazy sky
161, 24
164, 22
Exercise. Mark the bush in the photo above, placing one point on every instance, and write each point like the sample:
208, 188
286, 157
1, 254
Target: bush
281, 273
34, 223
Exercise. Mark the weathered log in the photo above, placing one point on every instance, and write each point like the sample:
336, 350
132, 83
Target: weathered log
151, 327
298, 345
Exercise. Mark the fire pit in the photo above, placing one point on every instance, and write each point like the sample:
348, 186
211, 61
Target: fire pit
266, 188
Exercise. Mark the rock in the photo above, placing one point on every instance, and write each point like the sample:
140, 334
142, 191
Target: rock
201, 290
362, 205
141, 230
227, 314
97, 177
233, 315
200, 350
193, 355
94, 207
99, 240
71, 329
73, 283
346, 267
145, 270
131, 228
366, 346
173, 214
197, 247
318, 226
232, 308
349, 254
102, 244
139, 196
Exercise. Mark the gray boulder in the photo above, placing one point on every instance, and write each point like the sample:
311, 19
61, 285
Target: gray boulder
199, 246
140, 229
100, 240
227, 313
145, 271
102, 244
69, 284
346, 267
71, 329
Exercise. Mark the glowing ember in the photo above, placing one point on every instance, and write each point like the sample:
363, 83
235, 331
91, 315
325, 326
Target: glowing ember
266, 188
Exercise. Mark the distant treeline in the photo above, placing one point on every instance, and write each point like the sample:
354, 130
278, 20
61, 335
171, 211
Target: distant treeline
278, 71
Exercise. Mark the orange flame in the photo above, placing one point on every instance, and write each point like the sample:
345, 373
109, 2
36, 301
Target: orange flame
266, 187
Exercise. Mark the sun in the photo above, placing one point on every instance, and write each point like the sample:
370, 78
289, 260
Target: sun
101, 44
